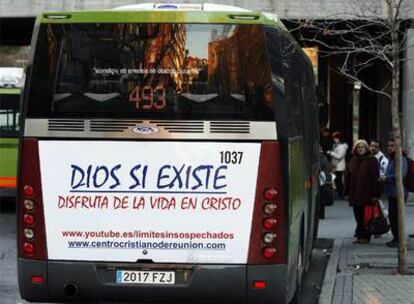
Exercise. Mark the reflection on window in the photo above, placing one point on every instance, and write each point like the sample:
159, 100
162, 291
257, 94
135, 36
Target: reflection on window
183, 71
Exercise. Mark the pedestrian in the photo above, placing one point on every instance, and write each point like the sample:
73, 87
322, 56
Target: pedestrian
362, 186
338, 161
374, 147
391, 190
325, 140
326, 193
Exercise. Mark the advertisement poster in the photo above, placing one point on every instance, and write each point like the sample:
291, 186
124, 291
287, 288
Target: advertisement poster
172, 202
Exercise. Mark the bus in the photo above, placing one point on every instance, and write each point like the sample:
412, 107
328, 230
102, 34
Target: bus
169, 154
9, 139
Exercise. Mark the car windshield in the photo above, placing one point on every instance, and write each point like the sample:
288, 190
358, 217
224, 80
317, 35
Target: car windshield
8, 80
161, 71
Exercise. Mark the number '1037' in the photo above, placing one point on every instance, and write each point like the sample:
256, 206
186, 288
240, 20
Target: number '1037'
231, 157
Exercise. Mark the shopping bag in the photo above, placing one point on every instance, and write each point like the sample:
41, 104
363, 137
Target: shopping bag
326, 195
375, 221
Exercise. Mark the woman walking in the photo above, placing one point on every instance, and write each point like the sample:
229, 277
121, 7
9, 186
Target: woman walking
362, 186
337, 156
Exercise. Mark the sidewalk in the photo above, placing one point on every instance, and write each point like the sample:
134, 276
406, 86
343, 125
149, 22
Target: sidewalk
364, 274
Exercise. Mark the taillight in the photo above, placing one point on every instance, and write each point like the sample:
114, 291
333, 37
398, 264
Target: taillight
28, 205
31, 232
28, 190
269, 252
259, 284
28, 219
28, 248
269, 223
270, 194
37, 279
28, 233
267, 238
270, 208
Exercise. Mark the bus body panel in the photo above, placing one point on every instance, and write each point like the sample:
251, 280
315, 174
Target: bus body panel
26, 269
275, 277
297, 210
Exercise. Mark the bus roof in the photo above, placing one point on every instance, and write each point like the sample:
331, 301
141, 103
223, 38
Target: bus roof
163, 13
183, 6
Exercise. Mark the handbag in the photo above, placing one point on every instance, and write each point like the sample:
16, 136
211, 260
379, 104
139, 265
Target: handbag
326, 195
374, 219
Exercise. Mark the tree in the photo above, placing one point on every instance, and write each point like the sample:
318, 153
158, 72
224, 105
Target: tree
374, 32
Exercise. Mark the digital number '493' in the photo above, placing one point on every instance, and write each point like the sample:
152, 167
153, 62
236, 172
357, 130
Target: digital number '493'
148, 98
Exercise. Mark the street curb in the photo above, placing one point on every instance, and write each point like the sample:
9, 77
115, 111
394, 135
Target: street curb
330, 274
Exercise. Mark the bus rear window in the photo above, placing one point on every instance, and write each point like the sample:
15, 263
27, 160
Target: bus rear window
151, 71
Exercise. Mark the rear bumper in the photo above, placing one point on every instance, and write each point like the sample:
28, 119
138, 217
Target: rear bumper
95, 281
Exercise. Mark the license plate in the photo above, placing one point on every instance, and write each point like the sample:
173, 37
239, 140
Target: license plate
145, 277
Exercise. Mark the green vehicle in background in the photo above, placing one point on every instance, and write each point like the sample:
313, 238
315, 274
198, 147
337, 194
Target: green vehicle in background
9, 131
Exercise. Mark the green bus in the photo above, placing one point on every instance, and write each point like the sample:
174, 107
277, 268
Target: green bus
9, 133
169, 154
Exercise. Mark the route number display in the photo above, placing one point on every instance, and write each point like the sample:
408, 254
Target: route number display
148, 98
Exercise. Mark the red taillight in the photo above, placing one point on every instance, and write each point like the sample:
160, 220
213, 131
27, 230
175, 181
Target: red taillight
28, 219
31, 224
259, 284
267, 239
28, 190
270, 194
28, 248
269, 223
269, 252
37, 279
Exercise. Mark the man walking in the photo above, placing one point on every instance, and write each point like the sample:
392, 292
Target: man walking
391, 191
374, 146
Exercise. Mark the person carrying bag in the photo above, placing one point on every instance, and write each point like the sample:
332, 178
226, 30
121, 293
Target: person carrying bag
362, 187
375, 218
327, 188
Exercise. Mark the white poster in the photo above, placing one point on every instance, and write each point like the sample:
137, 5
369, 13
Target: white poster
177, 202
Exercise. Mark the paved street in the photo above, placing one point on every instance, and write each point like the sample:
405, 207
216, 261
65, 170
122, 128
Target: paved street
8, 278
364, 274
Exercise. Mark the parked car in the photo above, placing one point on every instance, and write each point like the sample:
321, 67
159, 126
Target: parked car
7, 81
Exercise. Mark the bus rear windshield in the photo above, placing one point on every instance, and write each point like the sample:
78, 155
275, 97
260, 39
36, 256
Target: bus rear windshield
151, 71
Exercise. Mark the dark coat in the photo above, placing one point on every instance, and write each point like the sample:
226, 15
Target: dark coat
361, 180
